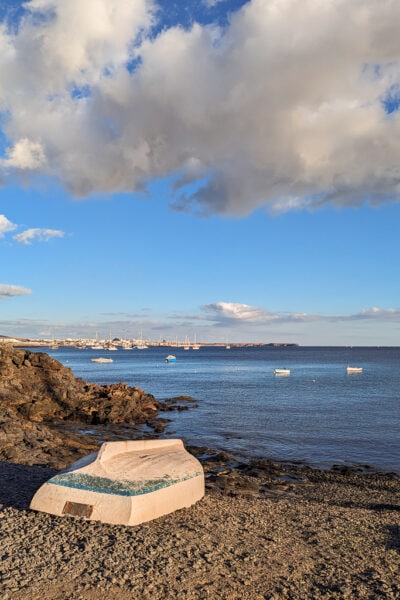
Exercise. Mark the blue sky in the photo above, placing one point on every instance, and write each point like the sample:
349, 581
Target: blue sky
224, 170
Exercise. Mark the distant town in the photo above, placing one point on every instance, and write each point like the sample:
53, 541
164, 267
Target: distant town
128, 344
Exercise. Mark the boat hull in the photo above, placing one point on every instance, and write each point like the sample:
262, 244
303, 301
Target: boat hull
125, 483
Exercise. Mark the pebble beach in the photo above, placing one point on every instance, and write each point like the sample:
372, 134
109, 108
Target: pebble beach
262, 531
265, 530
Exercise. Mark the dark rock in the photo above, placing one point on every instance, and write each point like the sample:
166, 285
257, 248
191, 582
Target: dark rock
178, 403
41, 389
37, 393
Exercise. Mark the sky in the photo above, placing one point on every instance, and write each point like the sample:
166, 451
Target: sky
225, 170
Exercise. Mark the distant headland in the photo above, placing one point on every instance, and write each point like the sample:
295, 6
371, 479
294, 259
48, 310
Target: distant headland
128, 343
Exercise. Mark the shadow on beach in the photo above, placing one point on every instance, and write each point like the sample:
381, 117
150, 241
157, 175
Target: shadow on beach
20, 482
393, 533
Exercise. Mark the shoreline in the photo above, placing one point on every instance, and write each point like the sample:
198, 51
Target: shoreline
159, 429
265, 530
320, 453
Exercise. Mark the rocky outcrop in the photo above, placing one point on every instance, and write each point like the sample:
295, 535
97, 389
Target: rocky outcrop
25, 442
38, 394
41, 389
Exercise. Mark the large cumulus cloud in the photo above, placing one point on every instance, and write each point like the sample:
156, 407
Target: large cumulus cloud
293, 104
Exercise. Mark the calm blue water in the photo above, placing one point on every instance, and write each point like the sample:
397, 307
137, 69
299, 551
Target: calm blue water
319, 414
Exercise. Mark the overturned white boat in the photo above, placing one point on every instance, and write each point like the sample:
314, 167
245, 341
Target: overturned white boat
127, 483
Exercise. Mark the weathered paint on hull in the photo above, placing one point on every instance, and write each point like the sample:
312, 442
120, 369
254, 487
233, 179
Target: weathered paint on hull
125, 483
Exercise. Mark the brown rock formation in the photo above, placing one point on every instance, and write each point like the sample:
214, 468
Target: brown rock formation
37, 393
41, 389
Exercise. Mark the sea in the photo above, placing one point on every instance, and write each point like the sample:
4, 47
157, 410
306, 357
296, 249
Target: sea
318, 415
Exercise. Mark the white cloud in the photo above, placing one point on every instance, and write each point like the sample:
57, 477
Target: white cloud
6, 225
218, 322
232, 311
7, 291
36, 234
376, 314
25, 155
29, 235
211, 3
284, 108
236, 314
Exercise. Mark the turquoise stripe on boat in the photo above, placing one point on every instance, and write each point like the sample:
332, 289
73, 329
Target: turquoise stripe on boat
103, 485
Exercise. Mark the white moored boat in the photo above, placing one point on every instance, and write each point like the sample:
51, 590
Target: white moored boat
170, 358
126, 483
281, 371
101, 359
354, 369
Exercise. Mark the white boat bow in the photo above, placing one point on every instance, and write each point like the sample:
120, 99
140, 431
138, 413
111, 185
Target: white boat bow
126, 482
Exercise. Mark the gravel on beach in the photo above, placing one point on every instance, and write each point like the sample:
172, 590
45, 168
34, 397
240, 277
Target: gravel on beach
309, 535
264, 531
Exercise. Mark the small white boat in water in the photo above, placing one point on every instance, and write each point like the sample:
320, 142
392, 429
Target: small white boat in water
170, 358
125, 483
101, 359
354, 369
281, 371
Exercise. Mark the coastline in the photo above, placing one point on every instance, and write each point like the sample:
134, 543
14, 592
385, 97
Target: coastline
334, 419
263, 530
